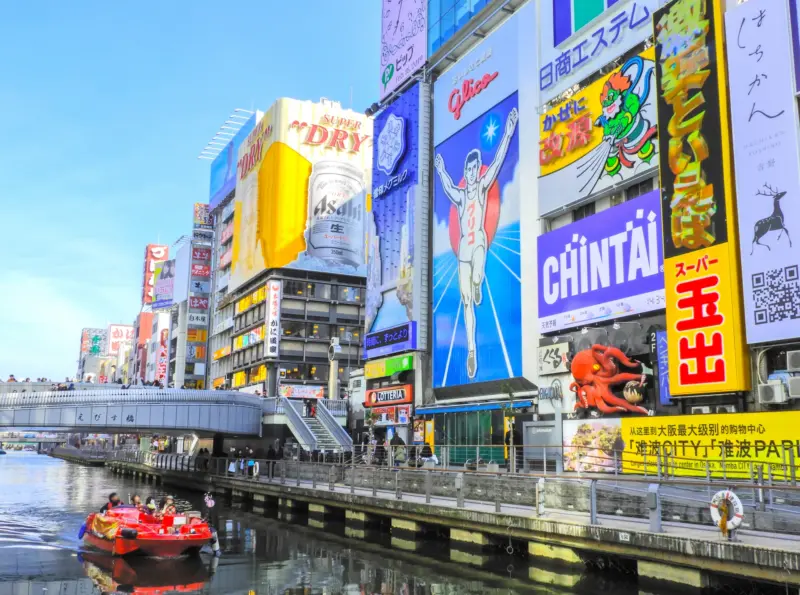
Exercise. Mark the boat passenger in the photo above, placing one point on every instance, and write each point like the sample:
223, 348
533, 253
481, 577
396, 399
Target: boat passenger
113, 502
137, 502
168, 506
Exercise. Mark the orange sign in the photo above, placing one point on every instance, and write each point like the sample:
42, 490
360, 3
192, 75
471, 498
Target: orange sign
220, 353
394, 395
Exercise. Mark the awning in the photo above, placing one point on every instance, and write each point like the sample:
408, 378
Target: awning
470, 407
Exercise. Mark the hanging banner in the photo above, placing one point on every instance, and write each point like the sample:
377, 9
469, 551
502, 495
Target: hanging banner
404, 37
765, 151
704, 316
601, 137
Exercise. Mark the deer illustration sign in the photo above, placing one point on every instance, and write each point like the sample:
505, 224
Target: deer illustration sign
766, 156
772, 223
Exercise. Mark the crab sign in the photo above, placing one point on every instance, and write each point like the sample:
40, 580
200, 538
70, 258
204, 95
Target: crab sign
595, 371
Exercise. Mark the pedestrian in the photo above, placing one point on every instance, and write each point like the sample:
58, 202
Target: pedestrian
313, 410
513, 437
11, 378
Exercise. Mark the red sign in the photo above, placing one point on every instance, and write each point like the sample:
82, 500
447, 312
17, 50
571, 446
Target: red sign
394, 395
118, 335
201, 270
161, 372
227, 233
470, 88
199, 303
153, 253
226, 257
201, 254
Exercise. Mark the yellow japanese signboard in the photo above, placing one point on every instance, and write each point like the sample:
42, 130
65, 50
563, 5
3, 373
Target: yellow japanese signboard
730, 445
701, 268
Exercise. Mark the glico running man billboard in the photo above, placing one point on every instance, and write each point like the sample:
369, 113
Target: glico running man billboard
393, 276
302, 191
477, 333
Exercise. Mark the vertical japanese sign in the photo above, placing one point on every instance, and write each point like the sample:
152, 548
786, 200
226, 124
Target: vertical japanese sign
701, 273
118, 336
765, 151
161, 370
394, 277
273, 338
153, 253
662, 367
404, 41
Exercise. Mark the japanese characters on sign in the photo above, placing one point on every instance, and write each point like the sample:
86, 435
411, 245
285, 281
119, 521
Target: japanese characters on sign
201, 254
153, 253
700, 266
201, 270
161, 369
600, 137
765, 151
197, 319
404, 36
569, 54
553, 358
662, 367
94, 341
198, 303
201, 218
119, 335
273, 338
301, 391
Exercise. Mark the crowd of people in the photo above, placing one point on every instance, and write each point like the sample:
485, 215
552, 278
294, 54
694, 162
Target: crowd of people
165, 506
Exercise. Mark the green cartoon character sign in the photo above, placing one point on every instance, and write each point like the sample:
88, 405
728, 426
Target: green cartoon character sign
625, 126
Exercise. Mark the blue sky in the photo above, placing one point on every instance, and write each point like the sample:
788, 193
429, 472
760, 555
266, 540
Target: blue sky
104, 107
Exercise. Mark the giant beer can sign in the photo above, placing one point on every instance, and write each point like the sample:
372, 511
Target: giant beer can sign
336, 205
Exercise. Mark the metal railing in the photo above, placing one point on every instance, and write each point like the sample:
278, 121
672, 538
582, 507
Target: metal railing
337, 407
338, 433
297, 424
114, 397
773, 508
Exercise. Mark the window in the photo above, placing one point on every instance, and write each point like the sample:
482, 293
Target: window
617, 199
295, 372
348, 334
318, 372
349, 294
642, 187
294, 288
583, 212
318, 331
293, 329
320, 291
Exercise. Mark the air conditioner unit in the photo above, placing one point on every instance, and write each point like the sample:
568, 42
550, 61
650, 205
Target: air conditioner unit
794, 387
793, 361
701, 409
725, 409
772, 393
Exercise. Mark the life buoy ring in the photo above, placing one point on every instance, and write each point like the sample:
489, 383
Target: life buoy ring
255, 469
736, 510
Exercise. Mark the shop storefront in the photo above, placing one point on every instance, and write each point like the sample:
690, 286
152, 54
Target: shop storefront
389, 397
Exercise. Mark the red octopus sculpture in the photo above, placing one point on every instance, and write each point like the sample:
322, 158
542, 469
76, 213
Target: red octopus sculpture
595, 370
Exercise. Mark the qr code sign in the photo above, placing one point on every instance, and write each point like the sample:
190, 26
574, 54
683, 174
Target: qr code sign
776, 294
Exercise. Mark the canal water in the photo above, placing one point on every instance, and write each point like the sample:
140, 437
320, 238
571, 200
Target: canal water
44, 501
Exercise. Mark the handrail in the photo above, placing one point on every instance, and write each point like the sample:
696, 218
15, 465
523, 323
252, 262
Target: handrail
338, 433
297, 424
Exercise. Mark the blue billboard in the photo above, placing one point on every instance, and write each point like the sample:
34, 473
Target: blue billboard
223, 168
477, 334
393, 277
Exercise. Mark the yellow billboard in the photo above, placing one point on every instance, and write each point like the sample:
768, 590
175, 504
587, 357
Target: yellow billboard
708, 353
727, 444
302, 199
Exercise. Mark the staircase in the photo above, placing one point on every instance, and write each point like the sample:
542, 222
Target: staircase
324, 439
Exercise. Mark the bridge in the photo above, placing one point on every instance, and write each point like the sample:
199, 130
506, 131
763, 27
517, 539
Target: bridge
133, 411
171, 411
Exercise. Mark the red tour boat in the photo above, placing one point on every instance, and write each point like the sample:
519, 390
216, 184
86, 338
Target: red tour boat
126, 530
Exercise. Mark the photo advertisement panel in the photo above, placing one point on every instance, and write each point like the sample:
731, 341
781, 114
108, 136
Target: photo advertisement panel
477, 333
393, 275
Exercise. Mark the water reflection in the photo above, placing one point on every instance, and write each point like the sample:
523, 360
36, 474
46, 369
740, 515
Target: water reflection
44, 502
